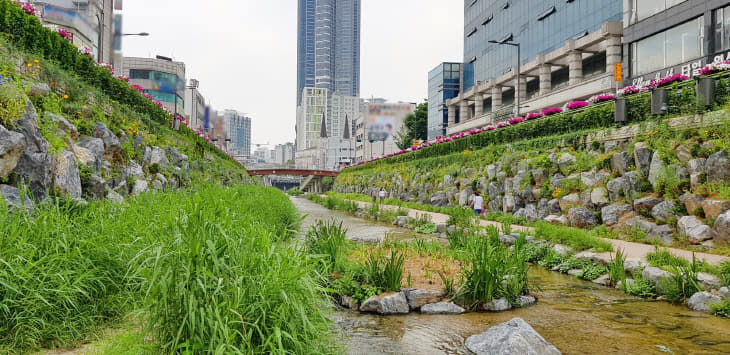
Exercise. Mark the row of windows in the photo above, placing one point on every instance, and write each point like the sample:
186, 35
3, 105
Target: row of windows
647, 8
671, 47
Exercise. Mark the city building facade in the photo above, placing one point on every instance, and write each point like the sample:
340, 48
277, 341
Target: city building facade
239, 131
160, 77
195, 106
90, 22
665, 37
568, 52
320, 103
328, 46
443, 84
378, 126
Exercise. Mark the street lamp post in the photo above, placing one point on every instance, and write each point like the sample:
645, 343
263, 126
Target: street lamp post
508, 41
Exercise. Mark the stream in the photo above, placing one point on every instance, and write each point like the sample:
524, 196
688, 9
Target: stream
576, 316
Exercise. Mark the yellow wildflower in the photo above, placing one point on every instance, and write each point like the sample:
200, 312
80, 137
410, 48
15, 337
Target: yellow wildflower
36, 61
65, 97
30, 65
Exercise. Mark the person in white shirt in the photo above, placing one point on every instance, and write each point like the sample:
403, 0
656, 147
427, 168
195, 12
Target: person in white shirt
477, 204
382, 194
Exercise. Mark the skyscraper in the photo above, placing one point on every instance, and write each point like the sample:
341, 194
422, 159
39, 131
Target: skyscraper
329, 46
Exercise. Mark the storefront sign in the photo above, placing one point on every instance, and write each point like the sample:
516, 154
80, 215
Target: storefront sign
690, 69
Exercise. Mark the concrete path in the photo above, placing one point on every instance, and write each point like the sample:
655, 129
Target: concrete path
630, 249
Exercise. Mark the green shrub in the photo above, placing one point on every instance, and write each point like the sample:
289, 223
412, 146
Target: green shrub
11, 105
327, 241
592, 271
721, 309
461, 217
725, 273
552, 259
641, 287
683, 283
294, 191
428, 228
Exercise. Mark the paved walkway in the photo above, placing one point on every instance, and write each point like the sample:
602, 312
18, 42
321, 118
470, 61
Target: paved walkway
630, 249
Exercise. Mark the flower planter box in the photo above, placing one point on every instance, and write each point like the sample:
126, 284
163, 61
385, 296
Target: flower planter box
659, 99
706, 90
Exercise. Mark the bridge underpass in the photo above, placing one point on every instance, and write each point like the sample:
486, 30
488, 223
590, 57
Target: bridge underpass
311, 183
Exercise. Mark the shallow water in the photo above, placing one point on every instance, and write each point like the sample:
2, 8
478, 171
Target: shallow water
578, 317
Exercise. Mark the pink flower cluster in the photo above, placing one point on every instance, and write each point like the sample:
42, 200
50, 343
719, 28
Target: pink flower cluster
576, 105
715, 68
516, 120
137, 87
633, 89
122, 77
657, 83
27, 7
66, 34
105, 66
551, 111
602, 98
533, 116
503, 124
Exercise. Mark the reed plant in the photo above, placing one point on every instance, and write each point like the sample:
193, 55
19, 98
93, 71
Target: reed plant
328, 242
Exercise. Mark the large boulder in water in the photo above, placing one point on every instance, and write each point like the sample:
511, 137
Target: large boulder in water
387, 303
513, 337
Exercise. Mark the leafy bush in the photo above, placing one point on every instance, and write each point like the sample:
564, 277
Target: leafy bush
721, 309
592, 271
725, 273
683, 283
428, 228
641, 287
294, 191
552, 259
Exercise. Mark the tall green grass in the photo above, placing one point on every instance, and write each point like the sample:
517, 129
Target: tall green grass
328, 241
579, 239
210, 270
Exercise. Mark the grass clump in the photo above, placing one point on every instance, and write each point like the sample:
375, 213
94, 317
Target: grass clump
725, 273
328, 241
616, 269
683, 283
721, 309
576, 238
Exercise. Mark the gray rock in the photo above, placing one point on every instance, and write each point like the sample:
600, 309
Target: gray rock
610, 214
540, 176
509, 203
554, 207
495, 205
708, 281
620, 162
417, 298
140, 186
724, 293
97, 187
94, 145
442, 308
714, 208
439, 199
562, 249
599, 197
618, 188
655, 274
448, 180
157, 185
177, 159
663, 210
585, 200
722, 227
581, 217
718, 167
64, 125
646, 203
529, 213
603, 280
11, 196
610, 146
36, 166
39, 89
158, 156
602, 176
565, 162
556, 220
600, 259
557, 179
642, 156
349, 303
569, 201
11, 148
441, 227
684, 154
498, 305
634, 266
66, 176
525, 301
113, 196
697, 165
694, 230
542, 208
588, 179
527, 196
575, 272
702, 301
655, 168
491, 171
513, 337
132, 170
652, 230
387, 303
112, 145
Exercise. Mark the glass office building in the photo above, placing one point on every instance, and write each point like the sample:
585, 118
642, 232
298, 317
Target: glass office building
664, 37
539, 26
443, 84
328, 48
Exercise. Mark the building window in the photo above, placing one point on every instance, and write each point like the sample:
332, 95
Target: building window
546, 13
671, 47
139, 74
722, 29
647, 8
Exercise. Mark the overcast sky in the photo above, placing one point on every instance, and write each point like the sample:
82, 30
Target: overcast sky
244, 51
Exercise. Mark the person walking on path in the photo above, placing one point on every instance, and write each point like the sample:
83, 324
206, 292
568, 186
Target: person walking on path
477, 204
382, 194
374, 194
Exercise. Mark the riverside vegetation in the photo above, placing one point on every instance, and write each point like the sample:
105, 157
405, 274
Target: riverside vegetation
563, 249
204, 270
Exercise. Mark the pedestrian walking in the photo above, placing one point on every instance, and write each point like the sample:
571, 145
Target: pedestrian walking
374, 194
477, 204
382, 194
